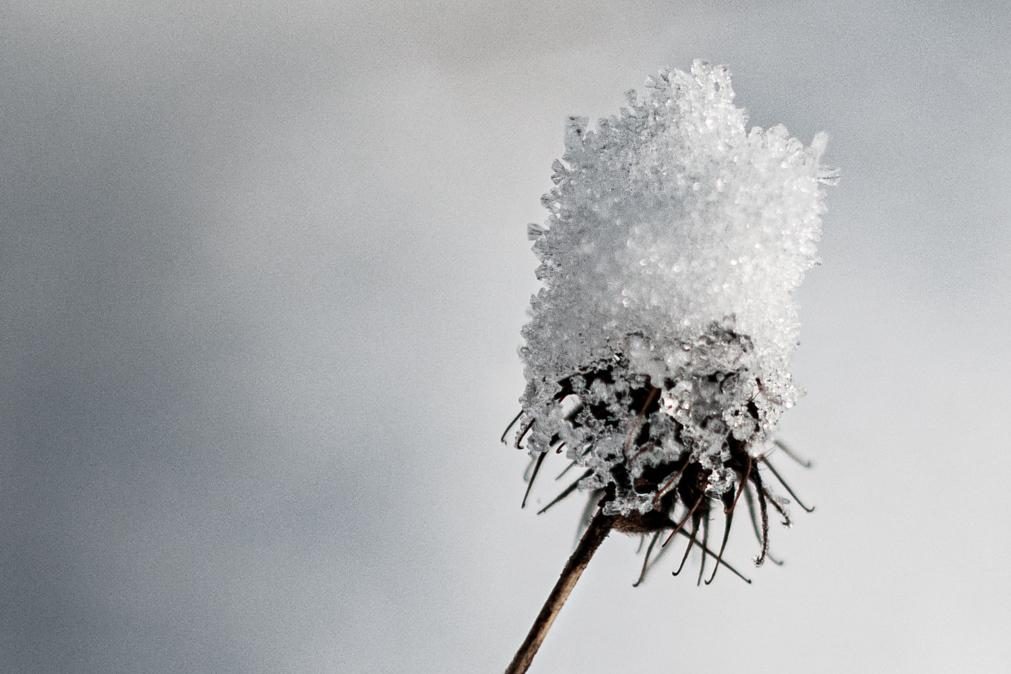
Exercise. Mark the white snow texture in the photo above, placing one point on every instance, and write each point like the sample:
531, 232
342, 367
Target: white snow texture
674, 242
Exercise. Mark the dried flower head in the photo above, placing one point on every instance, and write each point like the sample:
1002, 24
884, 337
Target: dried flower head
657, 355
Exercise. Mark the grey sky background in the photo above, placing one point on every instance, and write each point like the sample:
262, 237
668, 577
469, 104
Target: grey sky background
262, 273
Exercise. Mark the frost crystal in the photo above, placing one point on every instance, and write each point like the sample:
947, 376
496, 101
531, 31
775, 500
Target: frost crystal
658, 348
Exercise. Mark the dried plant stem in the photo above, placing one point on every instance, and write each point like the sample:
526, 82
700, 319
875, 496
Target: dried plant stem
596, 532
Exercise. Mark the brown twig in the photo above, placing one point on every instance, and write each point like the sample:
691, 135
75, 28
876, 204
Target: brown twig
596, 532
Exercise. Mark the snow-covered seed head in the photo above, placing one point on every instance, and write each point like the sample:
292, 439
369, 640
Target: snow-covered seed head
657, 354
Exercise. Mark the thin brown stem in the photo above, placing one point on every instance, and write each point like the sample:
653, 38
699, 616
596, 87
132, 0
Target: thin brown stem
596, 532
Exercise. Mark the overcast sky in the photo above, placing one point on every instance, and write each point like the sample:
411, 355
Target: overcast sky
263, 269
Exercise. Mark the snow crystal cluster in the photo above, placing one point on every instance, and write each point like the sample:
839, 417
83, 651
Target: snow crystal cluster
674, 242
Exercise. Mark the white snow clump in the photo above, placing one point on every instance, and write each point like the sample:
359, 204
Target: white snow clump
674, 242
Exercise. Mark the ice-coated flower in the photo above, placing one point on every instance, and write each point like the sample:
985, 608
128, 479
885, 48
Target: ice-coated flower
657, 354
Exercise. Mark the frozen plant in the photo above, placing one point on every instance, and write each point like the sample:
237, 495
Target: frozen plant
657, 355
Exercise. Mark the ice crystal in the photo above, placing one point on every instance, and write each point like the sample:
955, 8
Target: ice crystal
658, 349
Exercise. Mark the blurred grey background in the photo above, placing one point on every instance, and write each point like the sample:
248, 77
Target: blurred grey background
262, 273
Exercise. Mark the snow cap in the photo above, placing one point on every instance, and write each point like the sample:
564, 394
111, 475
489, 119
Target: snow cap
674, 241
